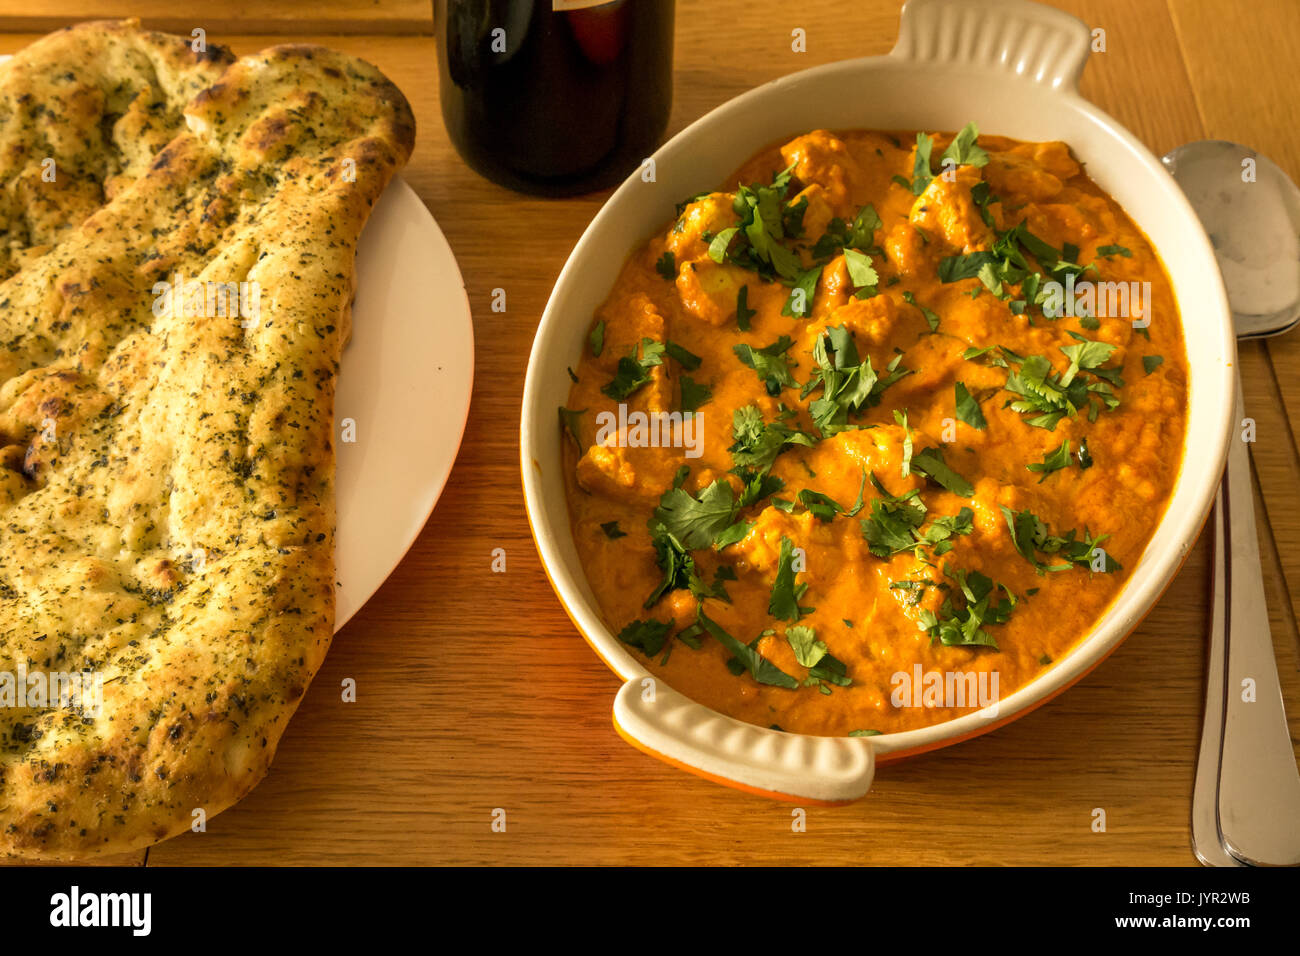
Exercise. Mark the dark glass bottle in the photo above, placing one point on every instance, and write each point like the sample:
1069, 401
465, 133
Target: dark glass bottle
555, 97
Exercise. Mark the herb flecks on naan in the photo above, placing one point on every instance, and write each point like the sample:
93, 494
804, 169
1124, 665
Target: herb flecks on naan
167, 510
82, 113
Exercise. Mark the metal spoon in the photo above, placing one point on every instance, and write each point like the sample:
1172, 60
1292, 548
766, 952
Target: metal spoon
1246, 804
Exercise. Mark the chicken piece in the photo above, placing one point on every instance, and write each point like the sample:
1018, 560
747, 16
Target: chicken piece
910, 251
708, 291
708, 215
627, 322
947, 210
628, 475
760, 550
1015, 178
841, 460
817, 214
872, 321
820, 157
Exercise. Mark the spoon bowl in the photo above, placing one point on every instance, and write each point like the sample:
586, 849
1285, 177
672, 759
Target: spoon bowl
1251, 210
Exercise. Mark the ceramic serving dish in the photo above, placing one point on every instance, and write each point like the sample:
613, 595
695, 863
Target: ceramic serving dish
1012, 67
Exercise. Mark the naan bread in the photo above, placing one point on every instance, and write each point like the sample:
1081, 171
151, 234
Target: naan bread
167, 490
82, 113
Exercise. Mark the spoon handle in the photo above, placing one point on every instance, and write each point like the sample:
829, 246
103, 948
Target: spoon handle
1207, 841
1259, 785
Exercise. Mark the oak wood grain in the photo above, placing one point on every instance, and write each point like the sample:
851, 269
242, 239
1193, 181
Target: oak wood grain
475, 692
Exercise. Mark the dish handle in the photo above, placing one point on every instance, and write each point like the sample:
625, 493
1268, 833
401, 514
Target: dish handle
1039, 43
816, 770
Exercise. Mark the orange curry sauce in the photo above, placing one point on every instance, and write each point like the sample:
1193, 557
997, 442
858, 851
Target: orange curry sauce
812, 619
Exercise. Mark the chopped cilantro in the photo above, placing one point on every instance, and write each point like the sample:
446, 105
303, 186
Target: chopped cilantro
758, 443
694, 394
825, 508
968, 410
931, 318
803, 641
848, 384
695, 522
762, 670
770, 363
1053, 461
800, 301
732, 534
633, 373
1051, 396
930, 462
861, 272
569, 422
687, 360
963, 151
963, 623
921, 174
1030, 535
784, 602
743, 312
650, 636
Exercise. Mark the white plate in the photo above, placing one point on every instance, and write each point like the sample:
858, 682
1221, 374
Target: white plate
405, 381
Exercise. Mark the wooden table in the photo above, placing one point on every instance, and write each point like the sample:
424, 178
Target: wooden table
475, 692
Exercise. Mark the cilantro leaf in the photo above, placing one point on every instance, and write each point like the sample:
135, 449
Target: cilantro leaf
962, 623
650, 636
569, 422
758, 443
963, 151
694, 394
632, 373
719, 244
743, 312
1031, 536
1053, 461
732, 534
921, 174
784, 602
848, 385
803, 641
861, 234
930, 462
695, 522
861, 272
931, 318
762, 670
893, 521
1108, 251
666, 265
800, 301
687, 360
968, 410
901, 419
770, 363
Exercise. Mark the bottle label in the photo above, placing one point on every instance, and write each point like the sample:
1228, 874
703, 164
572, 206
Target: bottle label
577, 4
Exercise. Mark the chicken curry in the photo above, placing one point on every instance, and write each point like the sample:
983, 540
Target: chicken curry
888, 409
